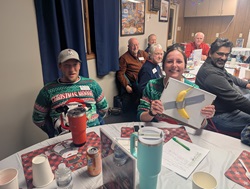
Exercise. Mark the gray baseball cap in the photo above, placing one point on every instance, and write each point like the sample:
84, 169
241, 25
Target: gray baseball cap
67, 54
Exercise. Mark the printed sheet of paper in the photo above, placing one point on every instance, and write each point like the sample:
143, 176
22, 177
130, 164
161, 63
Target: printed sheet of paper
197, 55
179, 159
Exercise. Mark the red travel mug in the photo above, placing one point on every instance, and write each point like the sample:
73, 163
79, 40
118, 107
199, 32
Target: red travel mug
77, 125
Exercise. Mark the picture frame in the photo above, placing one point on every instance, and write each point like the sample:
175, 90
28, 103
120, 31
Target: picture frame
132, 17
154, 5
239, 42
164, 11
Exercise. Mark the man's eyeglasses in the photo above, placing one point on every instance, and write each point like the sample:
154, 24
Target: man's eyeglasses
222, 54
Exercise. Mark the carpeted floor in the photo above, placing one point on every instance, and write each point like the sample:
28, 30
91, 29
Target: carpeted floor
122, 117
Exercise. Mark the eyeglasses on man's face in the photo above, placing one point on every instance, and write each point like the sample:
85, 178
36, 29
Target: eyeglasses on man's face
221, 54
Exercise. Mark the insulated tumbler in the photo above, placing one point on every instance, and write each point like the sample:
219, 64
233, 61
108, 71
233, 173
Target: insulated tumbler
149, 155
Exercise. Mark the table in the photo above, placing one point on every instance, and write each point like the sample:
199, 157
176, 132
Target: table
224, 150
243, 67
241, 51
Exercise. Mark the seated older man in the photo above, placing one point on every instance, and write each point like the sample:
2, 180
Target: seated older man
151, 40
130, 64
198, 44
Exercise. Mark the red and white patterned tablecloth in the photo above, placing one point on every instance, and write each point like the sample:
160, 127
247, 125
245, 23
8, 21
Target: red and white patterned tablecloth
62, 152
236, 171
169, 133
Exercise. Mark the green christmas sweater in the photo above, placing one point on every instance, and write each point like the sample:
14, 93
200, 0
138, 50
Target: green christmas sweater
53, 97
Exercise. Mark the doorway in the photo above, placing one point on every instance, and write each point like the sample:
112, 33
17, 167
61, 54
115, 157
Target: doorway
172, 25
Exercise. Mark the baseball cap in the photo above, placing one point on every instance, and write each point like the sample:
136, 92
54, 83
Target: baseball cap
67, 54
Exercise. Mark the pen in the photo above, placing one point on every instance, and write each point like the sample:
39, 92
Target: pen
183, 145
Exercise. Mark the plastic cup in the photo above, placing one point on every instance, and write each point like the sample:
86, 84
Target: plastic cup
236, 71
247, 74
190, 65
203, 180
233, 63
9, 179
41, 171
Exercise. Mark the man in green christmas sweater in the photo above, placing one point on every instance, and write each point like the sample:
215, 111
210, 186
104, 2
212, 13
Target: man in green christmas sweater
68, 92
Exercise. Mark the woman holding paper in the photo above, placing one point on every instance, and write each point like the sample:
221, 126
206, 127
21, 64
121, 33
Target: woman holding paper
150, 107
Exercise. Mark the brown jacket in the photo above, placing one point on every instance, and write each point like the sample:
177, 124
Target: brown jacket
130, 66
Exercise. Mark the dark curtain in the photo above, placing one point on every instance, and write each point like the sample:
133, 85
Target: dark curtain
60, 26
106, 24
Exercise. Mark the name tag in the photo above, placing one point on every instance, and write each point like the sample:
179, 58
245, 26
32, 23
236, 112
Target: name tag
154, 70
84, 88
141, 58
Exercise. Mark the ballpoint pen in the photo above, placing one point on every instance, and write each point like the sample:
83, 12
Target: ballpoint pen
183, 145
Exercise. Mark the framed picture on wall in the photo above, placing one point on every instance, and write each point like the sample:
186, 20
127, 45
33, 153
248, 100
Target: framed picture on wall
154, 5
239, 42
164, 9
132, 17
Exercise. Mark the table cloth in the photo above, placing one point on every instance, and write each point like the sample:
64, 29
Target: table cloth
224, 150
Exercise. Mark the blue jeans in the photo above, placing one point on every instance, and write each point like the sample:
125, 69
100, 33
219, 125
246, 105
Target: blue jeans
234, 121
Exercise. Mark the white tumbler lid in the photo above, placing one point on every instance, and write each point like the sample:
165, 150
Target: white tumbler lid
151, 136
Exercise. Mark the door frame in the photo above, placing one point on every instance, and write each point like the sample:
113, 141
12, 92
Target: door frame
175, 7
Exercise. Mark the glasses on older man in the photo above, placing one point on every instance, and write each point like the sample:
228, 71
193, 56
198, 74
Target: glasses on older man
221, 54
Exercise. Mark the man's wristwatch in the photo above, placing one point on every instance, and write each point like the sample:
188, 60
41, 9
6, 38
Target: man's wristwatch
151, 113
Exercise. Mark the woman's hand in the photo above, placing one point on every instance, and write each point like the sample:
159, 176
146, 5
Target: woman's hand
156, 107
208, 111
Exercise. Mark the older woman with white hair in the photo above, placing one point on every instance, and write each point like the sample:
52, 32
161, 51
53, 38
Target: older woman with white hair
151, 69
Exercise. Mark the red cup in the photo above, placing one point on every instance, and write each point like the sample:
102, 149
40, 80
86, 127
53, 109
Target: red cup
237, 71
77, 125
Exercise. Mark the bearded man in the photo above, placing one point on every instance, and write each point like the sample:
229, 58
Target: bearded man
232, 107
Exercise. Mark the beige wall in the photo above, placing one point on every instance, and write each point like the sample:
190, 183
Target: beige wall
21, 76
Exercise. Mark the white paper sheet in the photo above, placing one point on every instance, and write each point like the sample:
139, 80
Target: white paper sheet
197, 56
179, 159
